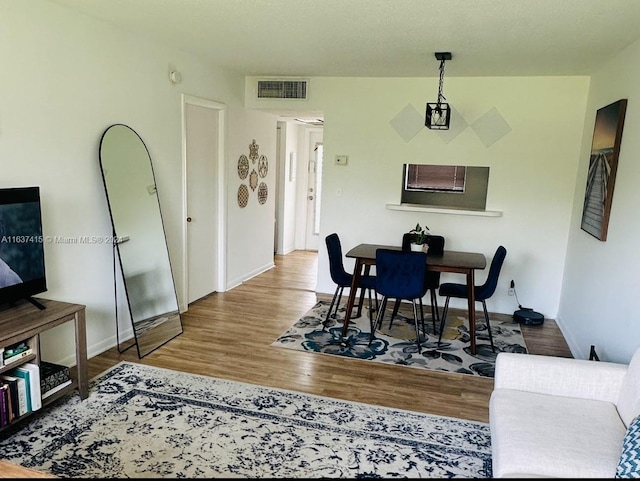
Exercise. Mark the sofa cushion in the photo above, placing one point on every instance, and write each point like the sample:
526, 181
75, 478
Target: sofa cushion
629, 462
543, 435
629, 397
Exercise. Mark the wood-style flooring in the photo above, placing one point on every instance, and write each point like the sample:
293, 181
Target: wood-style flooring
228, 335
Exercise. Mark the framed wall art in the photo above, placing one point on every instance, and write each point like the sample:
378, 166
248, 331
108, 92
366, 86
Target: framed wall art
603, 165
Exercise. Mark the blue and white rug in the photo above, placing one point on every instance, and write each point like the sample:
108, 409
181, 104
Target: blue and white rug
397, 345
142, 421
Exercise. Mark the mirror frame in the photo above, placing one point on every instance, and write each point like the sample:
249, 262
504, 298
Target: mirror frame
154, 321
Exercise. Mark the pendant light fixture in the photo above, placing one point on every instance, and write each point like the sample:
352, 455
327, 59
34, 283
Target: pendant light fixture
439, 113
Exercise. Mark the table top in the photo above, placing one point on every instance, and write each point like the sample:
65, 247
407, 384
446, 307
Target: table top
448, 259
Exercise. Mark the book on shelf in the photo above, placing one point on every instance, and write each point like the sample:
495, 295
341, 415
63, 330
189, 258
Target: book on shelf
4, 403
16, 357
52, 375
20, 386
15, 352
31, 373
24, 375
22, 395
18, 393
12, 398
55, 389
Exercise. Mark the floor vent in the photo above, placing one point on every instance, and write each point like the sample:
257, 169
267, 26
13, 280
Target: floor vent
282, 89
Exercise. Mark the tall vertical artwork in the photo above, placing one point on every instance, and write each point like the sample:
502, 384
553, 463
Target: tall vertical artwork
243, 172
603, 164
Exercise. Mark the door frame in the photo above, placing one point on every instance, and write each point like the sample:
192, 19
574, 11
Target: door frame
220, 276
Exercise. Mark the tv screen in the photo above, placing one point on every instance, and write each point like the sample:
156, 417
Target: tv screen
22, 273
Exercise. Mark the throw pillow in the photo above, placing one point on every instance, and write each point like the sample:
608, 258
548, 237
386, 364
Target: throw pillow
629, 462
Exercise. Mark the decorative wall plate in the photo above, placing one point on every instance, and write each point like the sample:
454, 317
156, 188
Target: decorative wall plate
243, 166
253, 151
253, 179
263, 166
243, 195
263, 192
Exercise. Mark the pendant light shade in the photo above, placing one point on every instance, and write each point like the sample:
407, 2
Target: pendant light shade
438, 113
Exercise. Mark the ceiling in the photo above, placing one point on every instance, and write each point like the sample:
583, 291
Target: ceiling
383, 38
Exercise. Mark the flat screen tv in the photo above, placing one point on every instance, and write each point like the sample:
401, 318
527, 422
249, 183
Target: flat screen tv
22, 273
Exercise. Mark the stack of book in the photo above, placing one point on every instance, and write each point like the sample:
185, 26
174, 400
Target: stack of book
19, 392
15, 353
53, 378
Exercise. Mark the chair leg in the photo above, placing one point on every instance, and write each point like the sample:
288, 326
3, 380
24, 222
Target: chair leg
333, 301
396, 307
443, 319
371, 307
381, 309
422, 317
434, 310
415, 322
375, 296
378, 322
486, 317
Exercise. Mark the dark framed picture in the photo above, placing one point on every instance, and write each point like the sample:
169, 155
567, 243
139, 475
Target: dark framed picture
603, 164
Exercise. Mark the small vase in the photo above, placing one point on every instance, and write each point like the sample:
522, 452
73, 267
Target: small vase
418, 247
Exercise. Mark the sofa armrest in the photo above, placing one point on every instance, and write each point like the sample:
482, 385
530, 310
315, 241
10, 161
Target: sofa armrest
559, 376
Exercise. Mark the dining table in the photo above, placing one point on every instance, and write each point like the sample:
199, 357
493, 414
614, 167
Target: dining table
449, 261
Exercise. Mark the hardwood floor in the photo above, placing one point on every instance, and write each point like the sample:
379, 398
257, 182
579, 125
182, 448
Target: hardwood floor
228, 335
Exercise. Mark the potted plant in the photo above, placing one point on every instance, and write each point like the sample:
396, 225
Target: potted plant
420, 235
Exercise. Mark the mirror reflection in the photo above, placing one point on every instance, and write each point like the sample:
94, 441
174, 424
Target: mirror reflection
129, 181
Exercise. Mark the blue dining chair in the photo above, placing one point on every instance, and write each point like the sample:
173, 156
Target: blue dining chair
399, 275
482, 293
343, 279
431, 279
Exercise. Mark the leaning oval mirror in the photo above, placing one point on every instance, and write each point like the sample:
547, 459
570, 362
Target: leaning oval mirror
141, 246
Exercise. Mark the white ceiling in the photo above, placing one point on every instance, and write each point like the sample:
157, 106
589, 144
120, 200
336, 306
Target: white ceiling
384, 38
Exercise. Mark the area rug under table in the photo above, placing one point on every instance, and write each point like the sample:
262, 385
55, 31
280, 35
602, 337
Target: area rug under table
397, 345
141, 421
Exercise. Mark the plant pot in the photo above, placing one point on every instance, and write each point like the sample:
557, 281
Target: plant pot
419, 247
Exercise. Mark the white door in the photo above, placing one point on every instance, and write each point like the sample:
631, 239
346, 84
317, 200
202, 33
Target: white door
203, 146
314, 190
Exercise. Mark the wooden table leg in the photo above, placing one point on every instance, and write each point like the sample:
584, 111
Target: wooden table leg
81, 354
355, 282
472, 309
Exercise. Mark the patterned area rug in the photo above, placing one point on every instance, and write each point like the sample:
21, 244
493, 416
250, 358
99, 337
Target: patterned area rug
397, 345
141, 421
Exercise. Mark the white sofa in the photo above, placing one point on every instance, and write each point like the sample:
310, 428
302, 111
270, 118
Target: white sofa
560, 417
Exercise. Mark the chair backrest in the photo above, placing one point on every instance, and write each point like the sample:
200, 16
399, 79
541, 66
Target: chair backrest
486, 290
436, 243
400, 274
336, 267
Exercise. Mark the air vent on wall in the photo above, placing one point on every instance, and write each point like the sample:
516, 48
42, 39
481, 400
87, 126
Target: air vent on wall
282, 89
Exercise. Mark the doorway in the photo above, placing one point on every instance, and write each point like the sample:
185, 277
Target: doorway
314, 189
203, 124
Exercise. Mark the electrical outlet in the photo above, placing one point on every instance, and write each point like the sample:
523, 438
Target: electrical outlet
512, 288
342, 159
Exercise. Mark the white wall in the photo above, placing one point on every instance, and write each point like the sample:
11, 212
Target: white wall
65, 79
532, 173
598, 305
250, 238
